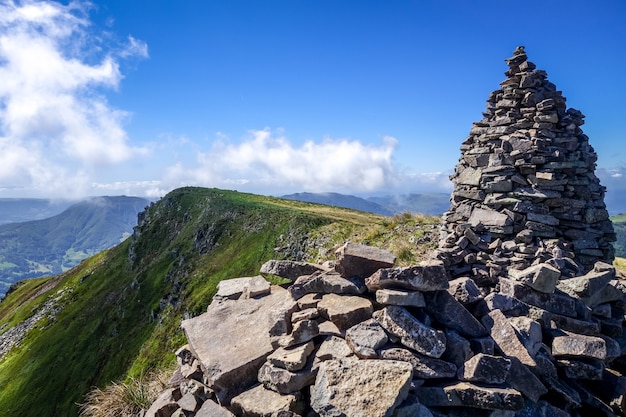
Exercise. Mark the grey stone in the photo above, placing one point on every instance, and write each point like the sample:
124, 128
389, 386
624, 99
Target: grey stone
555, 303
345, 311
428, 275
232, 340
353, 259
389, 297
290, 269
247, 287
261, 402
521, 378
576, 345
293, 358
164, 406
372, 388
333, 347
424, 367
452, 314
505, 337
485, 368
411, 407
466, 394
303, 331
464, 290
325, 283
541, 277
283, 381
212, 409
458, 349
588, 369
529, 332
365, 338
411, 332
588, 285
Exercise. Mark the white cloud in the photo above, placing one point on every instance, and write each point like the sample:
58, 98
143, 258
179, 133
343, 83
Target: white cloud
55, 125
268, 161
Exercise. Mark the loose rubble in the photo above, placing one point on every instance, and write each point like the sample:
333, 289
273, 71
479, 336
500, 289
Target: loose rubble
517, 313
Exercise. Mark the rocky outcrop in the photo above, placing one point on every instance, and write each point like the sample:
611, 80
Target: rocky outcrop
517, 313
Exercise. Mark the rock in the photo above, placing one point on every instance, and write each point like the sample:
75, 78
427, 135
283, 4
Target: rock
529, 332
411, 407
458, 349
411, 332
588, 369
523, 380
164, 406
372, 388
465, 394
587, 285
232, 340
505, 338
427, 276
576, 345
541, 277
353, 259
388, 297
365, 338
283, 381
212, 409
247, 287
485, 368
464, 290
449, 312
333, 348
293, 358
345, 311
261, 402
290, 269
423, 366
555, 303
189, 402
303, 331
325, 283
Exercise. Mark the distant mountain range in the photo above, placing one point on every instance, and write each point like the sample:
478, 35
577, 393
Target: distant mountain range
17, 210
55, 244
431, 203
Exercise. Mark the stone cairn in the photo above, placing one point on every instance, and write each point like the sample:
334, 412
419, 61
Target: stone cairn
517, 313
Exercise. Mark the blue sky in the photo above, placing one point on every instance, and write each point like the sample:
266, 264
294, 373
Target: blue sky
278, 96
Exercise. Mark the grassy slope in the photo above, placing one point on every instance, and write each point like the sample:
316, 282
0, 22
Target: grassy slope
122, 308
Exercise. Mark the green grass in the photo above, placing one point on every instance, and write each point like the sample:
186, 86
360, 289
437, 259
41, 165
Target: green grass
123, 307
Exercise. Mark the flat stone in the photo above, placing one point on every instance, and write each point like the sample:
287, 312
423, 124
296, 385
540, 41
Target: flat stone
212, 409
541, 277
555, 303
372, 388
411, 332
163, 406
522, 379
325, 283
464, 290
428, 275
411, 407
293, 358
424, 367
333, 348
458, 349
353, 259
389, 297
303, 331
452, 314
576, 345
466, 394
529, 332
589, 284
290, 269
345, 311
246, 287
488, 217
365, 338
283, 381
261, 402
232, 340
485, 368
189, 402
503, 334
589, 369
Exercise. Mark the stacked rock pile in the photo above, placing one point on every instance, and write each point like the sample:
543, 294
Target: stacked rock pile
367, 339
524, 188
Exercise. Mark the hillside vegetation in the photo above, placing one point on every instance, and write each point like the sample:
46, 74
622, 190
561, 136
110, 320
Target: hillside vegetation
619, 224
116, 315
56, 244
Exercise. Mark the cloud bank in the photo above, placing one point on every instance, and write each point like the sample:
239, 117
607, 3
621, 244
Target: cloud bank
55, 123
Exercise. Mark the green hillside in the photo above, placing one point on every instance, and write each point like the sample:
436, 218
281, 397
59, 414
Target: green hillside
117, 314
54, 245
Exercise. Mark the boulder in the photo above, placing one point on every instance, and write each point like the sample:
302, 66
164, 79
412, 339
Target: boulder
325, 283
372, 388
247, 287
466, 394
485, 368
389, 297
212, 409
283, 381
424, 367
261, 402
579, 346
232, 340
540, 277
290, 269
345, 311
452, 314
428, 275
293, 358
411, 332
355, 260
365, 338
503, 334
